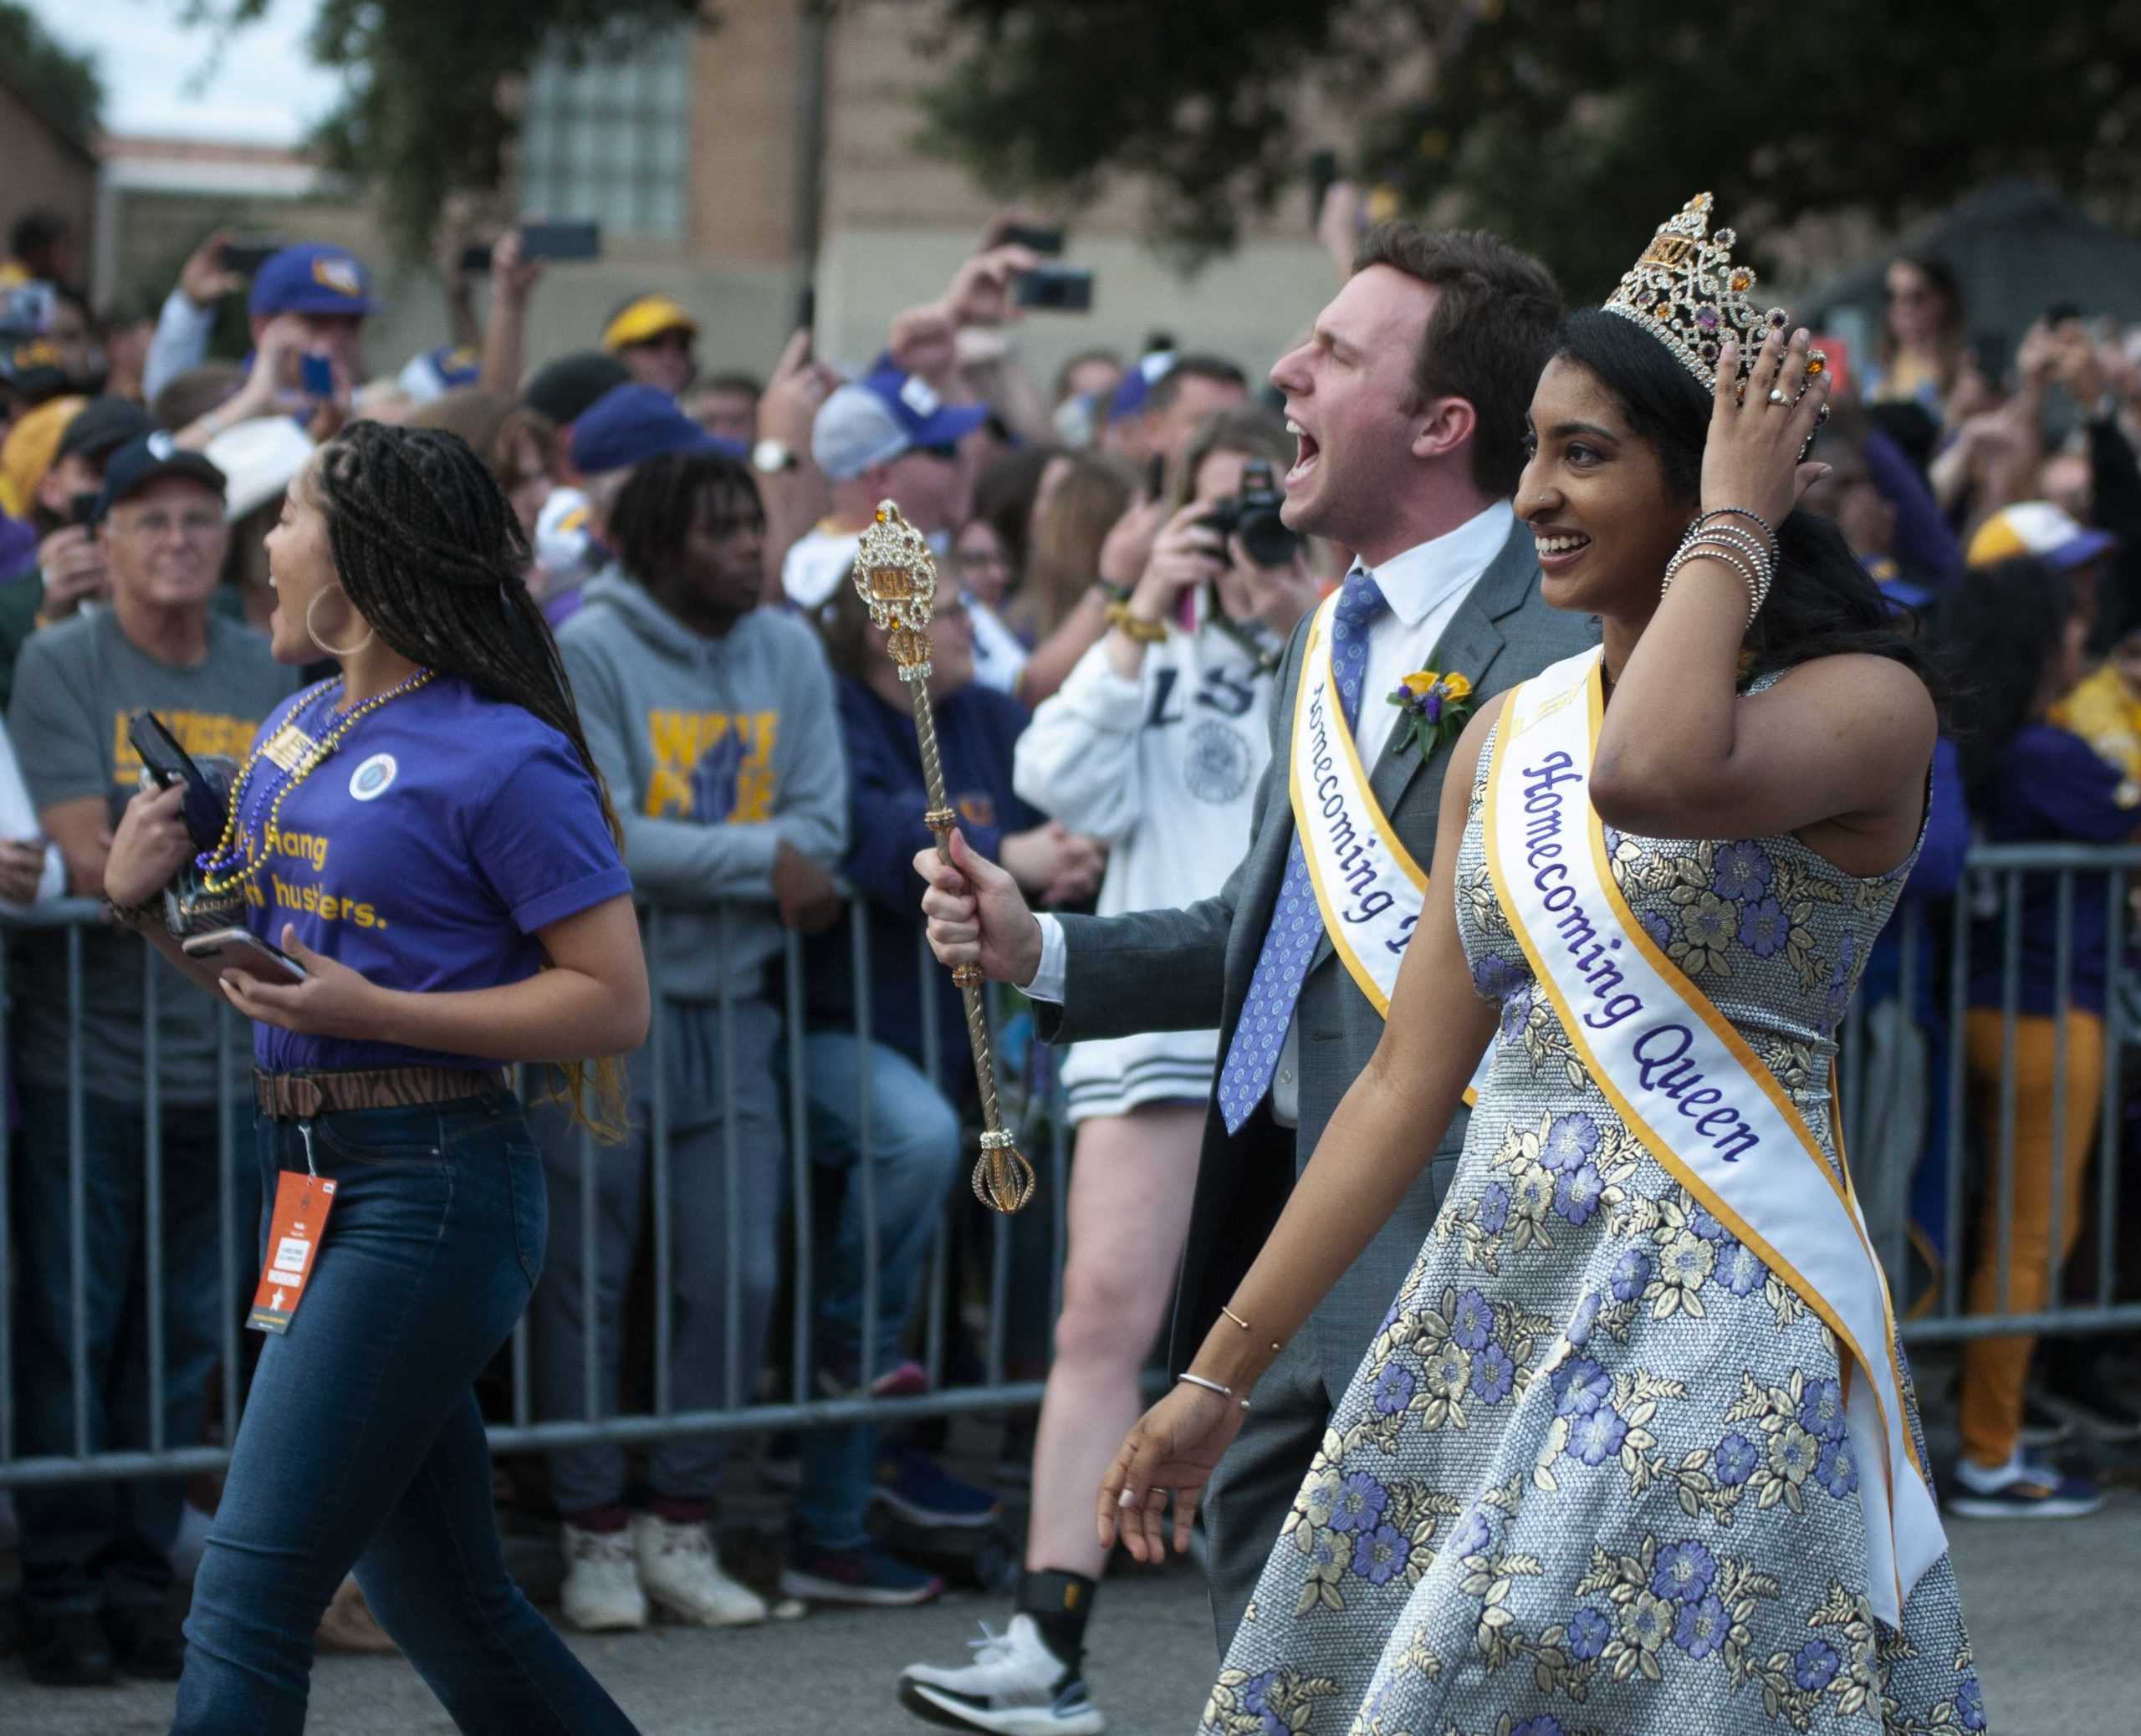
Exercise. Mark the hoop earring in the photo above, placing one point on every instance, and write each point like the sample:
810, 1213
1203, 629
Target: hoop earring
335, 651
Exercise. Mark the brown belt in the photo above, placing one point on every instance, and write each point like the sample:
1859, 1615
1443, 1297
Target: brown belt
300, 1097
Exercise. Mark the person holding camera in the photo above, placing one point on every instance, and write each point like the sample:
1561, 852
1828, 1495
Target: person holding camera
1408, 401
61, 508
1154, 744
94, 1573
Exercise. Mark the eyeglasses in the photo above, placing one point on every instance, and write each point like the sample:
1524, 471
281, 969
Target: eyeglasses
944, 454
197, 524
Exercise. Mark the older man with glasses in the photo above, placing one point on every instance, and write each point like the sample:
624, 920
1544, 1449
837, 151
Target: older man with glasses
95, 1573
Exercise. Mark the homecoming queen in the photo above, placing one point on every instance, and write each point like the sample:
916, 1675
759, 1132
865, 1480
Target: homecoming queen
1634, 1452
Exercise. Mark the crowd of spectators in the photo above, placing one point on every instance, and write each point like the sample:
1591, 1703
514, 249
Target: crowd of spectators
694, 528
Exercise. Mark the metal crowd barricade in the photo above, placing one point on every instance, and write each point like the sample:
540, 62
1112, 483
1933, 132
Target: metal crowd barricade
1988, 909
523, 1430
1874, 1076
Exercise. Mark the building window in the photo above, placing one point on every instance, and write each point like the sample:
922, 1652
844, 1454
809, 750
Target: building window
607, 140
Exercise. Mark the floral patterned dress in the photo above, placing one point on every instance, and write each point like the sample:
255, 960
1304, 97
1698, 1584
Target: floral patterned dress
1591, 1478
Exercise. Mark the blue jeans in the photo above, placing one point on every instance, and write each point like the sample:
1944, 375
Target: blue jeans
914, 1156
87, 1545
709, 1253
361, 1443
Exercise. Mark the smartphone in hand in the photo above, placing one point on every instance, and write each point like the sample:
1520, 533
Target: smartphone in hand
241, 949
1055, 290
207, 804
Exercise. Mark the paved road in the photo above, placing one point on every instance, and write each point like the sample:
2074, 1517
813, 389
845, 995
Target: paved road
2042, 1600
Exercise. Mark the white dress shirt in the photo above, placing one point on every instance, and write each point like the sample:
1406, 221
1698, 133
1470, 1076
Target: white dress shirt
1424, 587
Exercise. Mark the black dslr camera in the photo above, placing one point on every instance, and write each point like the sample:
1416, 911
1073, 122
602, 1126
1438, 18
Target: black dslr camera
1253, 516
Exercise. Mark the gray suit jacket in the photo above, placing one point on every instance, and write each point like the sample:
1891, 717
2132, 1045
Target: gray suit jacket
1177, 970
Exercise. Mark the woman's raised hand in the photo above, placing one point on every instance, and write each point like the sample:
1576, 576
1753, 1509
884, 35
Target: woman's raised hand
150, 845
1751, 460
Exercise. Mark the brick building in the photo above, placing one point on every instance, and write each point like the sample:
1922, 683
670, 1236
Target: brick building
696, 155
48, 167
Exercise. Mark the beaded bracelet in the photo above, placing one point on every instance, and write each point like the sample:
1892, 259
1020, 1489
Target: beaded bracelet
1746, 542
1768, 529
1758, 583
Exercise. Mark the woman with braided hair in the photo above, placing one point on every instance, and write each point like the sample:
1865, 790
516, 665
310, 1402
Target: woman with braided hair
426, 839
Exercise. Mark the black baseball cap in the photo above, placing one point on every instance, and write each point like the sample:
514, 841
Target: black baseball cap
101, 426
150, 459
565, 390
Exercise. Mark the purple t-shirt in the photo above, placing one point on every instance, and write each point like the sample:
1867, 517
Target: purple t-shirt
2053, 788
425, 852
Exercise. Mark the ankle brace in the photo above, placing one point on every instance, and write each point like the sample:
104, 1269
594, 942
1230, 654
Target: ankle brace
1060, 1604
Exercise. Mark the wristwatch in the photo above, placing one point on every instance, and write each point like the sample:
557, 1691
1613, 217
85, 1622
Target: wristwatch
770, 457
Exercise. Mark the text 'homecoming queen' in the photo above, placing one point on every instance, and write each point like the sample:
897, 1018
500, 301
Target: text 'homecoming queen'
1660, 1049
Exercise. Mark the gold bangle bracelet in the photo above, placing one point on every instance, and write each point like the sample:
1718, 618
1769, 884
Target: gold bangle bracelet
1135, 627
1244, 1324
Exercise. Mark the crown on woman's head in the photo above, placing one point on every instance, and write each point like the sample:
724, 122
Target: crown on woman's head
1686, 292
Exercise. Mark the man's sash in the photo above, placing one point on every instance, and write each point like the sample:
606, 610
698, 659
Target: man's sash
1697, 1096
1368, 888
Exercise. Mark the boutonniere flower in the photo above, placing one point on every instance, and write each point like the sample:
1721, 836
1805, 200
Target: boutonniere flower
1437, 706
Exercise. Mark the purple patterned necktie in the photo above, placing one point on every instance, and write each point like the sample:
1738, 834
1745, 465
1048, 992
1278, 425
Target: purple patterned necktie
1296, 924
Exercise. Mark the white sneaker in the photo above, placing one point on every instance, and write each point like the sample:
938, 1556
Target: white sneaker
679, 1571
601, 1592
1015, 1686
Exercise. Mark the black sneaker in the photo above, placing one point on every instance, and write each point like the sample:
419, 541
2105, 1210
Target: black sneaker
67, 1651
869, 1576
147, 1641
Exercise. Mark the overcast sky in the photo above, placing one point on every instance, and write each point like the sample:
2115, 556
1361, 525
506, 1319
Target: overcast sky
161, 78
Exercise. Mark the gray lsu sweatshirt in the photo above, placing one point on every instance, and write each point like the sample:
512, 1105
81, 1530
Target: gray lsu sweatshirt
715, 751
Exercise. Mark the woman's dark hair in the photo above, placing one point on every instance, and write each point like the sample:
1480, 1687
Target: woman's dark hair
1003, 495
494, 425
1823, 604
1999, 626
663, 499
432, 557
1941, 278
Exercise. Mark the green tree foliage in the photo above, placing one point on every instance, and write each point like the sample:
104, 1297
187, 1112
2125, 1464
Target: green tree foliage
65, 84
428, 105
1571, 126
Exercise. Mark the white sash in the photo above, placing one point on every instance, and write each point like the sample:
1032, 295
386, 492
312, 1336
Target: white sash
1688, 1085
1368, 888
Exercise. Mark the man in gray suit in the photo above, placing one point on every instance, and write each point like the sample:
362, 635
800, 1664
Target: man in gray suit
1409, 400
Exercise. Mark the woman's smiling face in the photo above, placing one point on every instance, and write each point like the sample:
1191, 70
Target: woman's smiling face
1596, 496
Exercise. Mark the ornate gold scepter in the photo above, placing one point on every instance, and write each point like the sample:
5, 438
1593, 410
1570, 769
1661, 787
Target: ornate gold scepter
896, 575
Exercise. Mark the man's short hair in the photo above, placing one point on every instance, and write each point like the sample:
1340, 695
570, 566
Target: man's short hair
732, 382
35, 232
1487, 340
1216, 368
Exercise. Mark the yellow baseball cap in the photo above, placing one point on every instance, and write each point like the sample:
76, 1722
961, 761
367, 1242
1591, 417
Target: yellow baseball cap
31, 446
2038, 527
644, 318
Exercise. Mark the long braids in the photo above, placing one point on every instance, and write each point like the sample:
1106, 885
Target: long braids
431, 555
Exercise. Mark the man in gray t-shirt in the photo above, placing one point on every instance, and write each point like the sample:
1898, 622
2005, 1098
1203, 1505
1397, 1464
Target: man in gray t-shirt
95, 1571
75, 689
